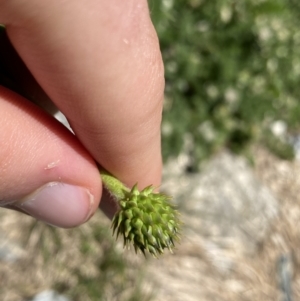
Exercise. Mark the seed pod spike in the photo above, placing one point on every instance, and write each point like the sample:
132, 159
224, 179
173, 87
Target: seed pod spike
146, 219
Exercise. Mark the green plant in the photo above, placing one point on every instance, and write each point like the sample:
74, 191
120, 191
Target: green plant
232, 69
145, 218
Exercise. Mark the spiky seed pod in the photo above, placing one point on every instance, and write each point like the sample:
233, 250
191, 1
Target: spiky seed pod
147, 220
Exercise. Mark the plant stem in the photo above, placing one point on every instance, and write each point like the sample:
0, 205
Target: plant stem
115, 187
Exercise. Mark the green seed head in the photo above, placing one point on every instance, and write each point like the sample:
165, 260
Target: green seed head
147, 220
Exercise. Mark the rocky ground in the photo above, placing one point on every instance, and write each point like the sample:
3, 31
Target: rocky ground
240, 238
234, 233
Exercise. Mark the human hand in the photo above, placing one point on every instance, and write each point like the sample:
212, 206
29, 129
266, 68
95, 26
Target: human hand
99, 63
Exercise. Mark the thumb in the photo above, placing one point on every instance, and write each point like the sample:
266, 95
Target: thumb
44, 170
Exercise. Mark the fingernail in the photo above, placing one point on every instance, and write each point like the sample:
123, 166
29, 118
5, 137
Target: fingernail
59, 204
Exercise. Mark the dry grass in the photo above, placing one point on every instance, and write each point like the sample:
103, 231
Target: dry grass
69, 259
85, 263
269, 274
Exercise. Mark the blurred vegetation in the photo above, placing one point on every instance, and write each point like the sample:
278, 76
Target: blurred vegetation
232, 69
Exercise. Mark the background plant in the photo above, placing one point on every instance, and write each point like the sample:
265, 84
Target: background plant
232, 69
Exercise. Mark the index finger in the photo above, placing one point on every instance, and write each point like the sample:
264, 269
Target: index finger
99, 61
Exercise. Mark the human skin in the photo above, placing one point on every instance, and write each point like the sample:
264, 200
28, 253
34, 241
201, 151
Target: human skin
99, 62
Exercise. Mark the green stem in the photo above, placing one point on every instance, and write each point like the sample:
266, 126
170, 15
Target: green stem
113, 185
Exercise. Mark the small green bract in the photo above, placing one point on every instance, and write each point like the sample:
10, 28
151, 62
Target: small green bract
147, 220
